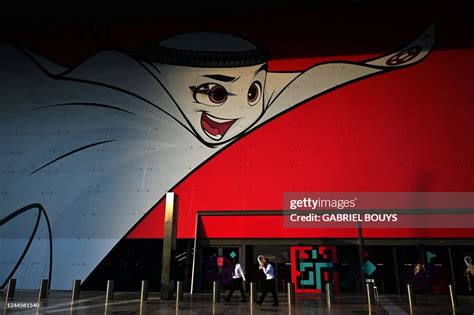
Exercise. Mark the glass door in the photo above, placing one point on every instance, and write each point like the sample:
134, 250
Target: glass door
217, 265
209, 269
227, 268
437, 268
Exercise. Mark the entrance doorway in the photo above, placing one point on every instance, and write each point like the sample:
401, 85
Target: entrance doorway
216, 265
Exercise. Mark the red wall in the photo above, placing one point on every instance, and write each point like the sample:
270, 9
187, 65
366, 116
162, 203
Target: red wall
408, 130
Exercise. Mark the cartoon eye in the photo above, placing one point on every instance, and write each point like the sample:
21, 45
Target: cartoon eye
217, 94
210, 94
254, 93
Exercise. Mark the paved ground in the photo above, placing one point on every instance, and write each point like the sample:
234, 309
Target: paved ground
59, 302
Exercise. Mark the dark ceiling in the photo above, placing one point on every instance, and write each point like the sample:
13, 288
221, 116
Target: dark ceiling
72, 30
17, 15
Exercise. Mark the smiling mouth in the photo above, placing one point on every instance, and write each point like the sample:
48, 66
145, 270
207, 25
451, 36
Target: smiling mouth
215, 128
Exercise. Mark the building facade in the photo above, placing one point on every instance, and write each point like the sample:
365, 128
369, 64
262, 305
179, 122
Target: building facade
99, 121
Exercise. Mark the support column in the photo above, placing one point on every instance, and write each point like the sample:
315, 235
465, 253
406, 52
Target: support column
451, 265
395, 264
188, 265
169, 246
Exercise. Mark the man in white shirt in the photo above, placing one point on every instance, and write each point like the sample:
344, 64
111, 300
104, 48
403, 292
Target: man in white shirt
237, 278
270, 282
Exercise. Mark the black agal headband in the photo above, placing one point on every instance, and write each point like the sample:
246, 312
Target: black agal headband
206, 50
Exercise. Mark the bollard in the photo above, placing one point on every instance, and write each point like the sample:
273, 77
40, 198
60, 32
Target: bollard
179, 291
291, 293
329, 294
411, 297
376, 294
110, 291
253, 292
144, 291
76, 285
370, 295
453, 299
216, 294
43, 289
11, 289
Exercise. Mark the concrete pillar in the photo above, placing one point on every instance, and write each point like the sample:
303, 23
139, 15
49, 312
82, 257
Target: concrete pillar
169, 246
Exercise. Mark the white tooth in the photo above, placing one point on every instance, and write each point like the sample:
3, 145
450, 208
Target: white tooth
216, 137
218, 120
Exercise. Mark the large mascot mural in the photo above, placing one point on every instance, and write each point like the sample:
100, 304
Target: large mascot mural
92, 148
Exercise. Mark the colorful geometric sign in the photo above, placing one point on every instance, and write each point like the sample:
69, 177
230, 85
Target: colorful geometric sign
369, 267
430, 256
312, 268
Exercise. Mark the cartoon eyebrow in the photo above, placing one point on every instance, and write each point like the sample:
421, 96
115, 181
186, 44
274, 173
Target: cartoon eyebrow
263, 67
204, 89
220, 77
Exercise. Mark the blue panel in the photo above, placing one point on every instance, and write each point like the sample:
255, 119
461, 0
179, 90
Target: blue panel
318, 272
369, 267
310, 281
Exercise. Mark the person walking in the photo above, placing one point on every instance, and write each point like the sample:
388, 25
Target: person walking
236, 283
270, 282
